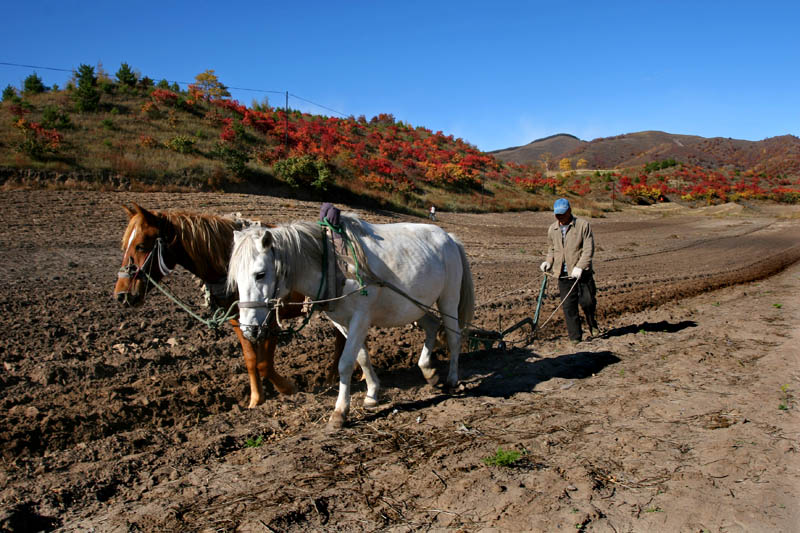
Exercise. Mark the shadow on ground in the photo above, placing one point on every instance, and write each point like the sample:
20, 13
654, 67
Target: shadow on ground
649, 327
503, 377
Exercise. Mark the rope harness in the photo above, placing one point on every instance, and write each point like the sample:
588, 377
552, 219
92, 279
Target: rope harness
275, 328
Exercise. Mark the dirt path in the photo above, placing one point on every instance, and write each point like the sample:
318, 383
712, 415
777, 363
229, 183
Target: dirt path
683, 417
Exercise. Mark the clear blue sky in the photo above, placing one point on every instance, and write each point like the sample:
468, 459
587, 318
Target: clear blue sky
494, 73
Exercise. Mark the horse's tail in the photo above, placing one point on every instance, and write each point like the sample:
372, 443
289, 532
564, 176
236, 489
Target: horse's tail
466, 301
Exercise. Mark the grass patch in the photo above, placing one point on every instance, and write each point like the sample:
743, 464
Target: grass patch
503, 458
254, 442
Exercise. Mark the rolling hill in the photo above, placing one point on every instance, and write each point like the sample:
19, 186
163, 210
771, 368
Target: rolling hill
775, 155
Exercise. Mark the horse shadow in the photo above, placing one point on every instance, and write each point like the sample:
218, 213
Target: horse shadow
649, 327
486, 375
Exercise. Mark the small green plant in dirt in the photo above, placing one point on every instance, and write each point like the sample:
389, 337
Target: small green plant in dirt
777, 306
502, 458
654, 510
785, 398
254, 442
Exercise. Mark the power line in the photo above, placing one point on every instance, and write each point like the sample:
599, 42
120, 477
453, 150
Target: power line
187, 84
316, 104
34, 66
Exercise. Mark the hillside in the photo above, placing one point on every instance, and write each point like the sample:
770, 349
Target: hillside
134, 136
775, 155
531, 153
140, 137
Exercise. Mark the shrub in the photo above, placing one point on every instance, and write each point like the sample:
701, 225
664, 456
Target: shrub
303, 170
33, 84
182, 144
86, 95
234, 158
108, 124
148, 141
37, 141
150, 110
55, 118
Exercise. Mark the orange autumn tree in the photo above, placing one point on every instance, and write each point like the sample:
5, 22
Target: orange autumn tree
208, 86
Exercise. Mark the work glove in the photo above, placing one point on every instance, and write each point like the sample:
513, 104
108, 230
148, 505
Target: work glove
544, 267
576, 273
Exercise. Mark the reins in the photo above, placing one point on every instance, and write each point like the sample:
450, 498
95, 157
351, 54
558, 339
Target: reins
218, 318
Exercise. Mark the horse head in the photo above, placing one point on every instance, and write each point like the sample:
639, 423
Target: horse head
253, 272
146, 256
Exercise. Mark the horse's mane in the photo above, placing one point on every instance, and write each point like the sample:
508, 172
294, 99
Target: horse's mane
206, 239
295, 246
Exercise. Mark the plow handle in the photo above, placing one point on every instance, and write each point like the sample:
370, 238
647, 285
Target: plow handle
539, 303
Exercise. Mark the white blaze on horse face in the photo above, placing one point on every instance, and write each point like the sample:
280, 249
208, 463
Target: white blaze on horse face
256, 285
130, 241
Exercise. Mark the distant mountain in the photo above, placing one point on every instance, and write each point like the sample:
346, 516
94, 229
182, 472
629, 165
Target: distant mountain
775, 155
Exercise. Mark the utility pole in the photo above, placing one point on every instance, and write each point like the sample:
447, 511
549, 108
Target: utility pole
286, 136
613, 189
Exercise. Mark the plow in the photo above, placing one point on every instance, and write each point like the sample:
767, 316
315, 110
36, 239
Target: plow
486, 339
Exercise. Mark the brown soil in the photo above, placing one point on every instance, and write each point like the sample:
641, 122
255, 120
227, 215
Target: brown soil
682, 417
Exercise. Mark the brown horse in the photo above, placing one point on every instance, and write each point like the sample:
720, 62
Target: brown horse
156, 242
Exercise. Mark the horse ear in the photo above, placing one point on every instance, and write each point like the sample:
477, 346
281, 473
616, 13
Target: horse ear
266, 240
149, 217
128, 210
237, 236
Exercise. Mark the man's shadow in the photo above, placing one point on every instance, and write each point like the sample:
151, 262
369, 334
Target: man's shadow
649, 327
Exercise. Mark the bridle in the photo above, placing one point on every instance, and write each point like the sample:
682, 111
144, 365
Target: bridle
154, 258
268, 327
273, 327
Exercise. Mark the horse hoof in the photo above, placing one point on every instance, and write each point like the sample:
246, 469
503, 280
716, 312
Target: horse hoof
370, 402
335, 422
431, 376
287, 390
255, 402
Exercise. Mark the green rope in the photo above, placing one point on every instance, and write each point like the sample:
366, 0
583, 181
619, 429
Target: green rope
338, 229
217, 319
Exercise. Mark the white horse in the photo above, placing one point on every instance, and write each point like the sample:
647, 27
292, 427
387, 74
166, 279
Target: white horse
409, 268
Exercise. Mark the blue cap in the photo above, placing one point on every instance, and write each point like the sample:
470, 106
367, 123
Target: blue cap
561, 206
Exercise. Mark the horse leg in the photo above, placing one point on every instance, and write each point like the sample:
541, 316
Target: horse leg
357, 332
251, 362
454, 345
373, 384
431, 326
338, 346
266, 367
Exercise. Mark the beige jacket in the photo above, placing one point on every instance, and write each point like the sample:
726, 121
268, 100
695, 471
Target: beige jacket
577, 248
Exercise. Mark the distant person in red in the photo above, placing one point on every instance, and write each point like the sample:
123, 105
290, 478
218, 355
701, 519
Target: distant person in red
569, 256
432, 214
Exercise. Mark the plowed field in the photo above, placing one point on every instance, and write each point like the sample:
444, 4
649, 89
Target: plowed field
683, 416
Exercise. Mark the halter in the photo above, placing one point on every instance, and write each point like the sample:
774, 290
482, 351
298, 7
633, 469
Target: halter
132, 270
274, 304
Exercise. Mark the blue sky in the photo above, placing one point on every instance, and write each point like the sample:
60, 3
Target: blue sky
496, 74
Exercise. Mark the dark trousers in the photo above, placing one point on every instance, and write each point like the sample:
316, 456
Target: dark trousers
584, 295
